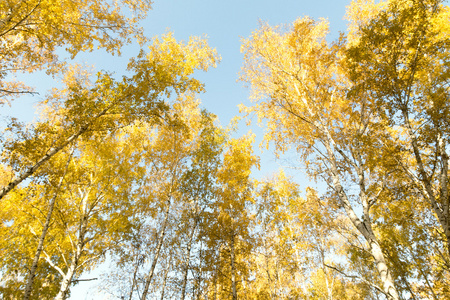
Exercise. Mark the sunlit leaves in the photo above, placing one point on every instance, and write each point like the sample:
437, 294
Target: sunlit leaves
32, 31
353, 109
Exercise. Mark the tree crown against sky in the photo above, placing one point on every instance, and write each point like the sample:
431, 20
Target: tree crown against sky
133, 169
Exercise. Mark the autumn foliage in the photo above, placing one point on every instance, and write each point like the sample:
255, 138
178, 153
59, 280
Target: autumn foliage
128, 174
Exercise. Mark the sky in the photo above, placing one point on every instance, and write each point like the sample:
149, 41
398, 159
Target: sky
225, 23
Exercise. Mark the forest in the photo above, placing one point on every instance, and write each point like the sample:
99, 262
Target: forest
129, 174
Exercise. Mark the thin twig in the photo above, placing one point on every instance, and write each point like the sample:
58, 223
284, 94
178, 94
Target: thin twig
356, 277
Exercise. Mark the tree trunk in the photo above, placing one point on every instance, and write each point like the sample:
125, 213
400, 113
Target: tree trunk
139, 260
233, 267
329, 286
383, 270
188, 260
365, 226
425, 185
67, 279
164, 283
215, 285
198, 276
158, 250
40, 247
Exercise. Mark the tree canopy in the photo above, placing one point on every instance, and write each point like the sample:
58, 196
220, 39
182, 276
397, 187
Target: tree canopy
127, 173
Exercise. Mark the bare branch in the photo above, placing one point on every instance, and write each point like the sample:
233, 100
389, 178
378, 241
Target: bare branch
356, 277
78, 280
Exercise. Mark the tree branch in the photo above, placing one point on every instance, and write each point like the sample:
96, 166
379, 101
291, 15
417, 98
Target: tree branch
78, 280
356, 277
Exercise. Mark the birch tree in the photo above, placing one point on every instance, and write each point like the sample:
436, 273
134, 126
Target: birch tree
300, 90
400, 56
226, 227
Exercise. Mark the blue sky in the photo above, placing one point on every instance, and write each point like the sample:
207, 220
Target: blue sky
225, 23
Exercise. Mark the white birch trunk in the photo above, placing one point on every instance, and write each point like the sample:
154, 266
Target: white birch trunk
442, 210
188, 260
156, 257
40, 247
365, 226
233, 267
68, 277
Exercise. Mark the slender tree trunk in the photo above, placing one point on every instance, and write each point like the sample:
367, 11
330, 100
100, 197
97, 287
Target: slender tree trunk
215, 286
424, 275
166, 272
233, 267
67, 279
408, 286
269, 278
188, 260
267, 266
185, 275
37, 255
383, 270
198, 276
324, 269
40, 248
365, 226
424, 183
303, 285
134, 282
158, 250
